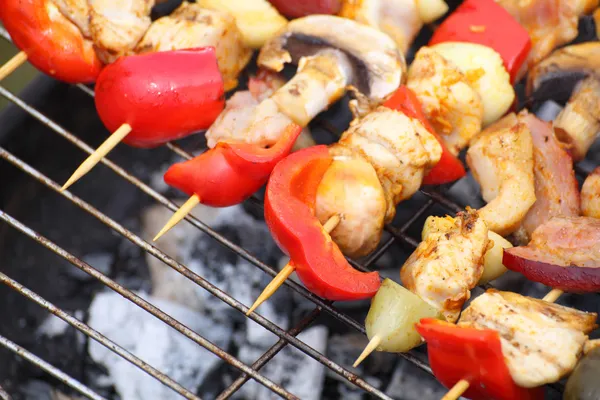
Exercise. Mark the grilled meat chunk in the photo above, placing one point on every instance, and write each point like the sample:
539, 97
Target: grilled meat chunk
448, 263
116, 26
351, 189
191, 26
590, 195
400, 149
541, 341
501, 159
78, 12
452, 106
564, 242
556, 188
550, 23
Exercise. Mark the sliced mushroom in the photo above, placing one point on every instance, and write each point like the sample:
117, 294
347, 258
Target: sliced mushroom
501, 159
555, 77
332, 53
578, 124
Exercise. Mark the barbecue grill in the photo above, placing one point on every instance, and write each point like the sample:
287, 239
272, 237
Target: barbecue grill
404, 231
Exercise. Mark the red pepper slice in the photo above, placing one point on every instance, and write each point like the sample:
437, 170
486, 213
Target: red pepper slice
52, 43
290, 215
488, 23
474, 355
296, 8
230, 172
164, 96
449, 168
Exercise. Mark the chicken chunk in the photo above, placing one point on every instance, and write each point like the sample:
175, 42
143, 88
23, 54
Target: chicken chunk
76, 11
400, 19
550, 23
117, 26
448, 263
501, 159
400, 149
351, 189
578, 124
452, 106
590, 195
244, 119
556, 188
191, 26
541, 342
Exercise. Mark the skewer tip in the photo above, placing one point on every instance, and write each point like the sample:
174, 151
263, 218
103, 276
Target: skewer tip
180, 214
272, 287
373, 343
457, 390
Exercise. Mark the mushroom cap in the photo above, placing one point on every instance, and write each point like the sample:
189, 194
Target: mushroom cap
555, 77
378, 67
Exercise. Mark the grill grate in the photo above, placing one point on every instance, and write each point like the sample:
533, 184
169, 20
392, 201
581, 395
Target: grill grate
397, 235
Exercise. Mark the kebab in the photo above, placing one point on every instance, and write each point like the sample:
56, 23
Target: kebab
500, 348
337, 197
329, 60
50, 41
142, 115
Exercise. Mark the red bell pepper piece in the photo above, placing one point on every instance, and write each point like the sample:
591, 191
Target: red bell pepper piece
474, 355
164, 96
53, 44
290, 215
449, 168
488, 23
230, 172
296, 8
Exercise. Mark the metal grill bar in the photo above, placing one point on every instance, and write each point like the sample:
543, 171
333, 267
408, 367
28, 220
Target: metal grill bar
397, 234
133, 298
353, 378
55, 372
4, 395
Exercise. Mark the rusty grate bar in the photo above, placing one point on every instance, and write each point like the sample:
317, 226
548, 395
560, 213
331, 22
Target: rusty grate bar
397, 235
351, 377
4, 395
55, 372
133, 298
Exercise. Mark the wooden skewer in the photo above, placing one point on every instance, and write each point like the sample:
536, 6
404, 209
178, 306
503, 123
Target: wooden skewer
180, 214
461, 386
553, 295
97, 155
373, 343
272, 287
457, 390
12, 64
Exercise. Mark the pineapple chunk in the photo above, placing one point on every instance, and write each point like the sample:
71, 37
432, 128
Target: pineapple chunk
430, 10
258, 20
485, 71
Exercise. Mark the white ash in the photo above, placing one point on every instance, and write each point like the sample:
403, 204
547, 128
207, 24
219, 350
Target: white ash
213, 262
154, 342
549, 110
409, 382
52, 326
298, 373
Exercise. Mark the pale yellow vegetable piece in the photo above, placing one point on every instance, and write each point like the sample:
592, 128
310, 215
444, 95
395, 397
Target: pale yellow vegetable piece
392, 317
258, 20
493, 267
492, 264
430, 10
485, 71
